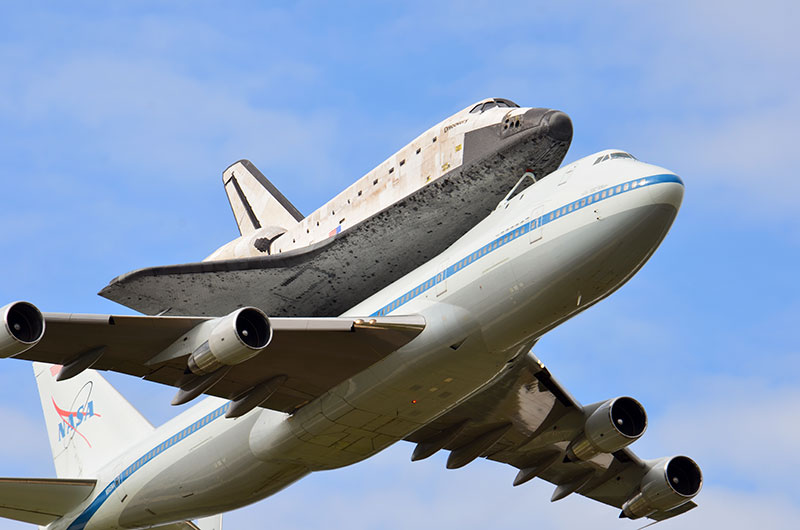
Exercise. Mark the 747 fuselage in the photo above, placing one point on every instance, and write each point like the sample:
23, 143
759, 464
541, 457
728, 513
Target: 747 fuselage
542, 256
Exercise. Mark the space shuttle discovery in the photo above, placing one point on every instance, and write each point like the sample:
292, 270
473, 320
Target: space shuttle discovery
405, 309
379, 228
473, 156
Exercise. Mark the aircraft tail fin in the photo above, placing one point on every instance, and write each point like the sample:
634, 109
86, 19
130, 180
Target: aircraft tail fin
255, 201
41, 501
88, 421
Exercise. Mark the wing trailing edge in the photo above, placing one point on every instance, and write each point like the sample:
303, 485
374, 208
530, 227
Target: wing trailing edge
544, 418
313, 354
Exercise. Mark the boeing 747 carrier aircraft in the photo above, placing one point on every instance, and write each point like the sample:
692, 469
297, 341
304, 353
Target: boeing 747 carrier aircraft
405, 309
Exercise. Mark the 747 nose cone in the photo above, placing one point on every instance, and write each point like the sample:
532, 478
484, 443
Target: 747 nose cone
668, 189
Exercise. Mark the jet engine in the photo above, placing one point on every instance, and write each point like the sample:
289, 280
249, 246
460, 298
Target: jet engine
23, 328
669, 483
613, 425
234, 339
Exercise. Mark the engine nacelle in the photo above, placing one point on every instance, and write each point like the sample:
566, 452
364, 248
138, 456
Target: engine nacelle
22, 328
613, 425
669, 483
234, 339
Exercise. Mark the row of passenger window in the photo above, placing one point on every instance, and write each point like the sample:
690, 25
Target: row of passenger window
456, 267
594, 198
510, 237
171, 441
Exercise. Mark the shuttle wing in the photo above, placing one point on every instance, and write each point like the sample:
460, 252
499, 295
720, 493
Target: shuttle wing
534, 419
314, 354
41, 500
324, 279
329, 277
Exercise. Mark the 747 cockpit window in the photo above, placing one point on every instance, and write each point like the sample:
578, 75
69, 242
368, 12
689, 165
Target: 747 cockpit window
612, 156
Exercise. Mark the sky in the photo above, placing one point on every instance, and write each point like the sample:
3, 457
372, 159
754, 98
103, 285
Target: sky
117, 120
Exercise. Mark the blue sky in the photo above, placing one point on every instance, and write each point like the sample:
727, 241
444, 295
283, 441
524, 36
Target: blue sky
117, 120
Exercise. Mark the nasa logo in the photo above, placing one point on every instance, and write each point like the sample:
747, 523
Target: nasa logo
71, 419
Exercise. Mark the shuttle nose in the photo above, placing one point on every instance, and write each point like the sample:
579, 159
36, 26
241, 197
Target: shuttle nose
552, 123
559, 125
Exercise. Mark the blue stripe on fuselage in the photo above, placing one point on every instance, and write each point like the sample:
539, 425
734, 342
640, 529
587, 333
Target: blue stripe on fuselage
82, 520
514, 233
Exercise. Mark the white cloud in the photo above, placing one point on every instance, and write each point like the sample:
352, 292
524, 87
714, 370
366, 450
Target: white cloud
727, 73
150, 118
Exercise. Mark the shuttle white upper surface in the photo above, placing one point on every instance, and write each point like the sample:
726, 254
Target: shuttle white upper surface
437, 152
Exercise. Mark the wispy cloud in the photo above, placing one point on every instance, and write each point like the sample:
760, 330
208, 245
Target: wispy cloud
739, 428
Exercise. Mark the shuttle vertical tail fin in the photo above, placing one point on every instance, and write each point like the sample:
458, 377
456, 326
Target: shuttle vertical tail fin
88, 421
255, 201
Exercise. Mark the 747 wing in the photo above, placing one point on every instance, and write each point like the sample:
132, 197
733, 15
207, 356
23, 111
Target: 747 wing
525, 418
276, 363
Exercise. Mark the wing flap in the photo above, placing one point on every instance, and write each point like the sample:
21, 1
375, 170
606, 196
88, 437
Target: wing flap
544, 418
315, 354
41, 501
668, 514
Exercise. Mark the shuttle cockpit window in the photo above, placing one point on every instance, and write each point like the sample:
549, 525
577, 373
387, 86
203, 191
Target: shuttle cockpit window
505, 103
497, 102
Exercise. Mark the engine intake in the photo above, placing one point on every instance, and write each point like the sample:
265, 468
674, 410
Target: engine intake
669, 483
23, 328
234, 339
613, 425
